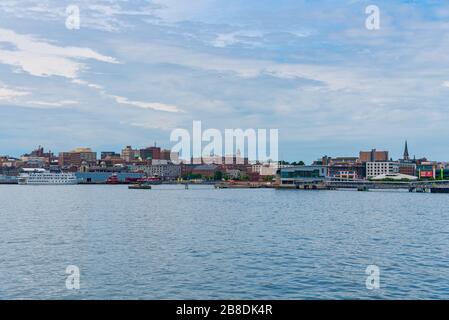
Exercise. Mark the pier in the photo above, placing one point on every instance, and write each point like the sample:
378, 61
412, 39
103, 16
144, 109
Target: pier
436, 186
412, 186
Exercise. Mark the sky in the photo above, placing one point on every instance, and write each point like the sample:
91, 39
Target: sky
136, 70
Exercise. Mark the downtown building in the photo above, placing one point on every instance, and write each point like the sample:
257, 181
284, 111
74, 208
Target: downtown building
129, 154
210, 166
374, 169
343, 168
76, 158
373, 156
406, 165
380, 166
161, 169
10, 166
268, 169
150, 153
38, 158
294, 176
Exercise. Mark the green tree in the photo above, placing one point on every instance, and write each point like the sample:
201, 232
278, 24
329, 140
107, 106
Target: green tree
192, 176
218, 175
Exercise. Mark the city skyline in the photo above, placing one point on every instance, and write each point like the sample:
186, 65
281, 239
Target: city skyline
155, 162
405, 155
141, 69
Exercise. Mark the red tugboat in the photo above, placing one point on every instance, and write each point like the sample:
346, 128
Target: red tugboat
113, 179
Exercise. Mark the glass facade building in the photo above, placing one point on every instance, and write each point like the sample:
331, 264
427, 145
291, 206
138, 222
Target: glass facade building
293, 175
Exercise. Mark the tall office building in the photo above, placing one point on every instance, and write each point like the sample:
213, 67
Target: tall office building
373, 155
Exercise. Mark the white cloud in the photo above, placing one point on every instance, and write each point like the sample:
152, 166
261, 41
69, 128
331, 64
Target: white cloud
95, 86
85, 83
147, 105
10, 94
225, 39
251, 39
40, 58
104, 15
334, 77
149, 125
61, 103
175, 10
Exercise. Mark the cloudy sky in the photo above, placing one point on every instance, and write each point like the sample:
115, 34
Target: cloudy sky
136, 70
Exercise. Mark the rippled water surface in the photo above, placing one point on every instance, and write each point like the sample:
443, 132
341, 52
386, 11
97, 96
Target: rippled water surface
202, 243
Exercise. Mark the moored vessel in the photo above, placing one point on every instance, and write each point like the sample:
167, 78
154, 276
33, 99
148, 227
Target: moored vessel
442, 189
142, 186
45, 177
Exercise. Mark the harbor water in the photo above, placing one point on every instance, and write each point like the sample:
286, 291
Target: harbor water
206, 243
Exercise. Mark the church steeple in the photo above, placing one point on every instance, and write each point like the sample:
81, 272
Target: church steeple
406, 155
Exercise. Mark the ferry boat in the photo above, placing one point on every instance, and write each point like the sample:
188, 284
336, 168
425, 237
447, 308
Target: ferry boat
142, 186
45, 177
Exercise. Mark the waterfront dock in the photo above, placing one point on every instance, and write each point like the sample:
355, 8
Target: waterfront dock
437, 186
243, 185
8, 179
412, 186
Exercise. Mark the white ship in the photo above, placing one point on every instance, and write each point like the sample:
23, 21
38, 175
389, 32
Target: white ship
44, 177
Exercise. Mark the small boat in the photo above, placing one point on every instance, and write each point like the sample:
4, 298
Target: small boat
439, 189
140, 186
363, 188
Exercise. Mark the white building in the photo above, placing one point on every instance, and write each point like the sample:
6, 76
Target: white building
268, 169
164, 171
159, 162
374, 169
233, 173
